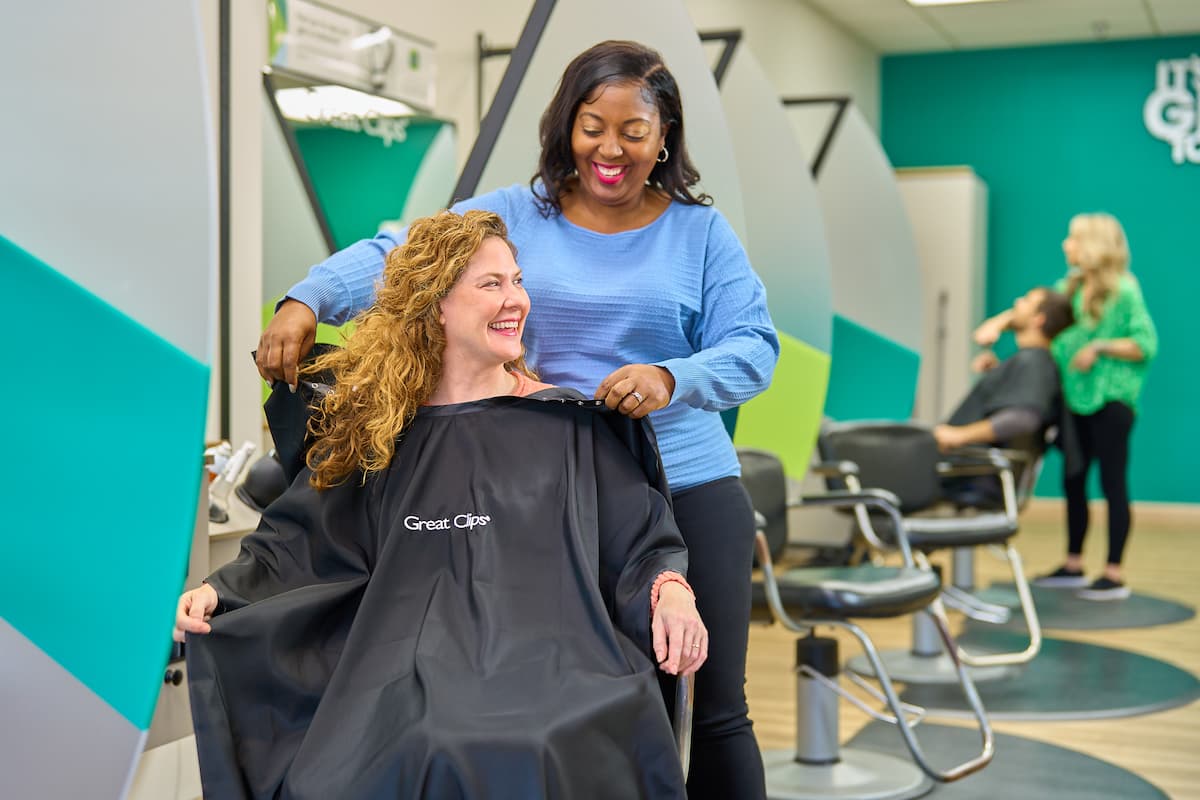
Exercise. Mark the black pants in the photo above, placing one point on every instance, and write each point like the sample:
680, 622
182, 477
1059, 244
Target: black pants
717, 523
1103, 437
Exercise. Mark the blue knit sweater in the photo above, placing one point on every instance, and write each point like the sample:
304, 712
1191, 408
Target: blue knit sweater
679, 293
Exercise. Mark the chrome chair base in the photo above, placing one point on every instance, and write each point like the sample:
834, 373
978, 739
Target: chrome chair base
859, 774
906, 667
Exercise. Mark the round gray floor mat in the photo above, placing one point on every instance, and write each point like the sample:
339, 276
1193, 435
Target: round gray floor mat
1060, 608
1022, 768
1066, 680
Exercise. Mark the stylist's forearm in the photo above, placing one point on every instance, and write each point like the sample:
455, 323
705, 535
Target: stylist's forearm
1122, 349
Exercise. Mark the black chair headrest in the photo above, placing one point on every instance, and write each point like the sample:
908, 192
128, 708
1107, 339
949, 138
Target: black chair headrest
264, 482
765, 482
899, 457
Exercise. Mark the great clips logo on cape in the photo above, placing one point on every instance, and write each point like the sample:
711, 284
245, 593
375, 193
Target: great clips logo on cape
462, 522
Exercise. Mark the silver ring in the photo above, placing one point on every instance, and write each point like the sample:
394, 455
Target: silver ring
639, 397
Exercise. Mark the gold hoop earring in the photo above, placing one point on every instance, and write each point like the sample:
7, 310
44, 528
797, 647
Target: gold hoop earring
663, 155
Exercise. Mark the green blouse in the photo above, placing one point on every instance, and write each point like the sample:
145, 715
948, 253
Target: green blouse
1124, 316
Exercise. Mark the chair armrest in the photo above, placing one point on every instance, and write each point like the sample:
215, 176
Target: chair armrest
1000, 456
834, 469
966, 461
879, 499
685, 691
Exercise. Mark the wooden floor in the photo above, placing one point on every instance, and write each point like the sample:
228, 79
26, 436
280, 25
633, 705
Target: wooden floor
1162, 558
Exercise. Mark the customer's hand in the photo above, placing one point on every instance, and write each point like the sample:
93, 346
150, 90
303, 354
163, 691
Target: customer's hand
194, 611
637, 389
984, 361
287, 339
679, 636
949, 437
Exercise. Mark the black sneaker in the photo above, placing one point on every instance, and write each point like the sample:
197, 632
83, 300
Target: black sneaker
1104, 589
1062, 578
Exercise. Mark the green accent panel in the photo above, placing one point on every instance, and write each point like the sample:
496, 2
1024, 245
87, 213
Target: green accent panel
327, 334
276, 27
1055, 131
785, 418
100, 502
360, 181
872, 376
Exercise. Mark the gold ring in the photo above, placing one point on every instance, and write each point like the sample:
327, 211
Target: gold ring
695, 647
639, 397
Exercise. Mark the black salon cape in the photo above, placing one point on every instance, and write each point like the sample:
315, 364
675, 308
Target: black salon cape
471, 623
1028, 378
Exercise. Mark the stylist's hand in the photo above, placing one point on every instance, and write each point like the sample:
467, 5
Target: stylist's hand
637, 389
288, 338
194, 611
1085, 358
680, 638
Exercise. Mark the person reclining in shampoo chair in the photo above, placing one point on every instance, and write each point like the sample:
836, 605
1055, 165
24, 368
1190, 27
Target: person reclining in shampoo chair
1017, 397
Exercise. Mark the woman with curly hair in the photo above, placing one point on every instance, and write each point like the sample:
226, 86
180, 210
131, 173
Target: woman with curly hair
466, 592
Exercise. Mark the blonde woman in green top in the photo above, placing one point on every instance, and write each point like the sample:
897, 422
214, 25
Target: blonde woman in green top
1103, 359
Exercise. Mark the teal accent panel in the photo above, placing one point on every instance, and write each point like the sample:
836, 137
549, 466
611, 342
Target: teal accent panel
729, 419
1055, 131
105, 442
871, 377
360, 179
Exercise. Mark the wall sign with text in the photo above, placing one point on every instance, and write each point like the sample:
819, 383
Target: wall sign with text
1172, 111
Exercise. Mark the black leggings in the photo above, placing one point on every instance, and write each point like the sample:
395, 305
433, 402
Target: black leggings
717, 523
1103, 436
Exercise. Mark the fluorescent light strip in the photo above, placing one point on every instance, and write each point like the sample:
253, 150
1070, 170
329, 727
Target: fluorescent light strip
948, 2
319, 103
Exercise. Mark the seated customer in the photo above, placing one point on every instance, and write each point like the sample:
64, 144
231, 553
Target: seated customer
1017, 397
465, 594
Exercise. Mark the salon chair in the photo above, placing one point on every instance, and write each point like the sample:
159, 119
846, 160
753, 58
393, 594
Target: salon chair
800, 599
903, 459
1026, 454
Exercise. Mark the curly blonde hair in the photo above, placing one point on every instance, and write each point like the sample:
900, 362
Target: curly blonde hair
392, 362
1103, 254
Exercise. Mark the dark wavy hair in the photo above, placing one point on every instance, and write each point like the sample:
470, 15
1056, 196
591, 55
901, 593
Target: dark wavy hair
612, 63
1057, 310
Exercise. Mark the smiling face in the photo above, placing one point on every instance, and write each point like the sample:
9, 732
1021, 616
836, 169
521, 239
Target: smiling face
615, 141
484, 314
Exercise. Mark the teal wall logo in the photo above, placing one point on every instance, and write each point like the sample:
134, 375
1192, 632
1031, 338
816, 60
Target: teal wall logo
1172, 110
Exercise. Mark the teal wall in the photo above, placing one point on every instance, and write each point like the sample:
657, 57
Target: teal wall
1054, 131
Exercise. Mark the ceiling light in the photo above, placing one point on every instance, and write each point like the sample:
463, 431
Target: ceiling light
948, 2
323, 103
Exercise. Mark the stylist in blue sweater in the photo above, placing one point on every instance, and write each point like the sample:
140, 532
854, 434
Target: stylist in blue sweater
645, 296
